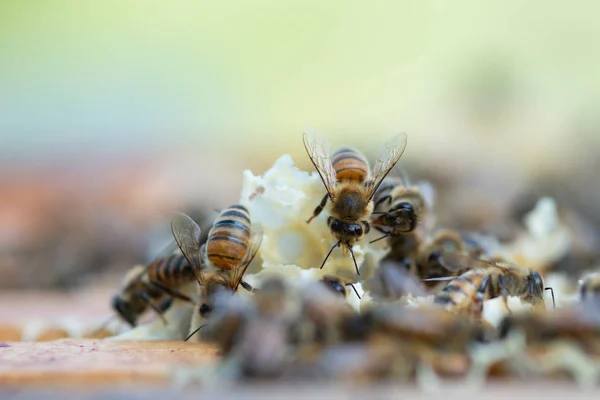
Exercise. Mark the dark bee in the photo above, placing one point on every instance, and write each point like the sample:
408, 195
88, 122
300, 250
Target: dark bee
148, 286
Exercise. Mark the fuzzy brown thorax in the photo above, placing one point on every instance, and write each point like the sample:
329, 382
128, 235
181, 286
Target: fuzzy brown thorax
350, 202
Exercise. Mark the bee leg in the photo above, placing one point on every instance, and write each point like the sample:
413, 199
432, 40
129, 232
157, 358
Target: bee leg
319, 208
382, 200
165, 304
170, 291
504, 292
480, 297
155, 307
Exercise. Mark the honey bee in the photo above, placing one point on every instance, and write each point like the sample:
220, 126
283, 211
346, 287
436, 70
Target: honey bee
230, 248
488, 280
400, 207
350, 185
590, 288
147, 286
579, 322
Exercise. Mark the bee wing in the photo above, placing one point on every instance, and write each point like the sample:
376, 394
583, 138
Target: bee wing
255, 241
319, 151
459, 261
390, 154
187, 235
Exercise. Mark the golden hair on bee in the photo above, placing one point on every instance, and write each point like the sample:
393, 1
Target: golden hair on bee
350, 184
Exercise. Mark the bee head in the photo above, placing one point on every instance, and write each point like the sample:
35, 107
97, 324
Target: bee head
124, 310
335, 285
347, 229
205, 310
404, 217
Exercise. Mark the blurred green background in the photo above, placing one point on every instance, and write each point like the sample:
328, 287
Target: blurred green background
137, 108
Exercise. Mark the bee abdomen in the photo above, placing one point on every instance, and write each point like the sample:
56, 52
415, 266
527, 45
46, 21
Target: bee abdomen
350, 164
229, 237
172, 271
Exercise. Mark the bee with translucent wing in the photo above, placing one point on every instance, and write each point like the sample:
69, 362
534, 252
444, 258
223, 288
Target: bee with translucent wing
231, 246
487, 280
350, 185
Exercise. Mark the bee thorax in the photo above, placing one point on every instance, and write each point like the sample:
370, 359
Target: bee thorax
350, 205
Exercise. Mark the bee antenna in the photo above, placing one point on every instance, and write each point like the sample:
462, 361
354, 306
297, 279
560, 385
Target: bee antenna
381, 238
552, 293
355, 291
328, 254
353, 259
193, 333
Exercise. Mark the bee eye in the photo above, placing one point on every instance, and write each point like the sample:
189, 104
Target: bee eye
537, 279
335, 286
355, 229
335, 224
406, 206
434, 256
205, 310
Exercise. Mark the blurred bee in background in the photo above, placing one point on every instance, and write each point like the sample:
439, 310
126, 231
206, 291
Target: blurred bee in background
350, 185
579, 323
148, 286
590, 287
392, 280
230, 248
487, 280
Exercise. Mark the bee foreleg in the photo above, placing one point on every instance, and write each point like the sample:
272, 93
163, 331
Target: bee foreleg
170, 291
319, 208
382, 200
504, 292
154, 306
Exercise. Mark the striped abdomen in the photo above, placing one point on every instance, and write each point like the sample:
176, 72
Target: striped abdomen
350, 164
229, 238
172, 271
461, 290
